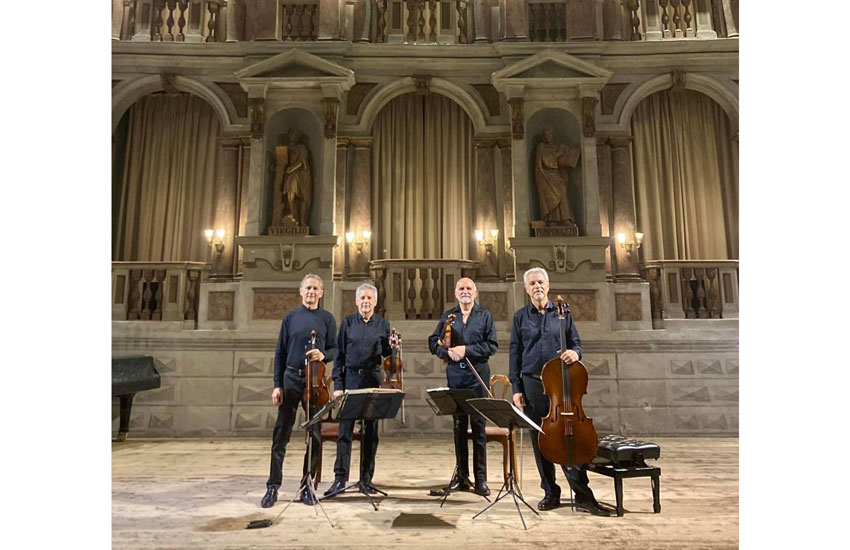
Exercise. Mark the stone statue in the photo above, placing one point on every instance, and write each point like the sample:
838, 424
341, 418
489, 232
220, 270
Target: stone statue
293, 187
550, 175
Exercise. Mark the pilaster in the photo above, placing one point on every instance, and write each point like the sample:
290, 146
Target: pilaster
514, 21
626, 265
483, 20
330, 15
360, 204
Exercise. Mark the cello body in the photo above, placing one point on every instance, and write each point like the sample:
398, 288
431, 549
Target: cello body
568, 437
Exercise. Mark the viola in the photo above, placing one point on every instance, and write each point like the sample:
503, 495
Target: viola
446, 342
568, 437
393, 364
316, 391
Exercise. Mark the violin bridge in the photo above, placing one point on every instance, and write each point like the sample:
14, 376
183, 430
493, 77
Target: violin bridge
567, 414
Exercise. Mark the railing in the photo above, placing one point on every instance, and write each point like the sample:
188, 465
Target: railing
417, 289
686, 289
422, 21
172, 21
157, 291
547, 20
299, 19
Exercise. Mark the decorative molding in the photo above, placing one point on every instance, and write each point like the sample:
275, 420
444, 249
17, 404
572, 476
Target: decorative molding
677, 80
331, 105
588, 115
517, 117
422, 83
257, 111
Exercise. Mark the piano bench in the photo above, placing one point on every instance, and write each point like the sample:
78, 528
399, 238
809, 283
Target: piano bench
619, 457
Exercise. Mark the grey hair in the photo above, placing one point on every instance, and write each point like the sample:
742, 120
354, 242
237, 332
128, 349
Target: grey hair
528, 273
363, 287
312, 276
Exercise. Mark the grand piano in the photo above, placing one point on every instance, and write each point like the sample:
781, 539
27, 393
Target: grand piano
131, 375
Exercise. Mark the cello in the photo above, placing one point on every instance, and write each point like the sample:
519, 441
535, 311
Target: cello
316, 392
568, 437
393, 365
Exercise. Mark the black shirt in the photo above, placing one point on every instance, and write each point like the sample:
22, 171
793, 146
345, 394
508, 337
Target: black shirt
294, 339
361, 345
535, 339
478, 335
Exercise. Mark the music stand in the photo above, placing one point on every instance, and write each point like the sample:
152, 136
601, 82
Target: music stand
505, 415
368, 404
308, 481
446, 401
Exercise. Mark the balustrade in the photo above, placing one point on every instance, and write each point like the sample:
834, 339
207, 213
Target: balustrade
422, 21
417, 289
173, 21
157, 291
684, 289
299, 20
547, 20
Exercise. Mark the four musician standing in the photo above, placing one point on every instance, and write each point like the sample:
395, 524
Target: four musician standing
364, 339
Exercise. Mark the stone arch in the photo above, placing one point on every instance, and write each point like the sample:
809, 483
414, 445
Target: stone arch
127, 92
721, 93
387, 93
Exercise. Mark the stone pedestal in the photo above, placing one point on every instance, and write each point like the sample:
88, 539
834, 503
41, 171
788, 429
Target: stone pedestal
287, 257
567, 259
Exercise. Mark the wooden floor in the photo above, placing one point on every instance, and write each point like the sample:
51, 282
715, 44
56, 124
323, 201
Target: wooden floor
201, 494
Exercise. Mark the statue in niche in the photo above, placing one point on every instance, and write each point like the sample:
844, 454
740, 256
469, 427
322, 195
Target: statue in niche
550, 175
293, 188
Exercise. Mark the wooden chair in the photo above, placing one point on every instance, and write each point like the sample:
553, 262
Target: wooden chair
330, 433
501, 388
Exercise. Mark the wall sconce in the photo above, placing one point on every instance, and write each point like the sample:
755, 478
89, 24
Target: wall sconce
215, 239
630, 246
360, 243
488, 243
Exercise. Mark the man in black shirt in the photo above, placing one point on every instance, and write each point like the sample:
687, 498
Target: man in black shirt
363, 341
535, 339
473, 343
294, 348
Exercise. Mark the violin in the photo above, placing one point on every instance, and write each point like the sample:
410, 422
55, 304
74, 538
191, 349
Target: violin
446, 343
393, 367
568, 437
393, 364
316, 392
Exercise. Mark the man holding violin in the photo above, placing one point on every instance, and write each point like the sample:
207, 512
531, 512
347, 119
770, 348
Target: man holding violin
364, 337
473, 342
535, 339
295, 347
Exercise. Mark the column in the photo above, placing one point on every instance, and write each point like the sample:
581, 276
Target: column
482, 22
590, 174
360, 204
144, 13
514, 20
362, 20
705, 26
229, 12
583, 20
254, 222
612, 20
485, 208
340, 222
729, 14
226, 200
606, 207
519, 167
261, 16
651, 20
626, 265
505, 204
117, 18
330, 12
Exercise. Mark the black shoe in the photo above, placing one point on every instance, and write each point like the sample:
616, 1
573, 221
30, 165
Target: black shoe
336, 487
593, 508
549, 502
307, 498
367, 488
481, 488
269, 498
460, 484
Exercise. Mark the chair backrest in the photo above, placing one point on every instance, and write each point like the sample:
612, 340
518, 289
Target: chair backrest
501, 387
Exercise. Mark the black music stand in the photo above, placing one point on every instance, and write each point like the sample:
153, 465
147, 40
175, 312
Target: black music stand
446, 401
308, 482
368, 404
505, 415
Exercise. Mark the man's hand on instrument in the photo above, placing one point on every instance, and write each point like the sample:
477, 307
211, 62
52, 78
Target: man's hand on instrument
569, 356
457, 353
338, 394
277, 397
315, 355
519, 401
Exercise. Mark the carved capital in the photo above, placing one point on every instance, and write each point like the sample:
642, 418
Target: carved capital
517, 117
361, 142
485, 143
343, 142
619, 142
504, 143
166, 80
257, 110
422, 82
588, 115
331, 107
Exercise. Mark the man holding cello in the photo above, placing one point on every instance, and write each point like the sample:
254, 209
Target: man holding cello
364, 337
295, 347
535, 339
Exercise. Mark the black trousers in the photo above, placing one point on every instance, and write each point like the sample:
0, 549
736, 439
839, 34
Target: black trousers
462, 378
293, 391
537, 406
354, 380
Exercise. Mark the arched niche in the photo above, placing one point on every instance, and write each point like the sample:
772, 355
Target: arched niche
312, 137
567, 131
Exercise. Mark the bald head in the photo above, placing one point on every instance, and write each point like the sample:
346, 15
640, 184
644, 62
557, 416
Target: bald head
465, 292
